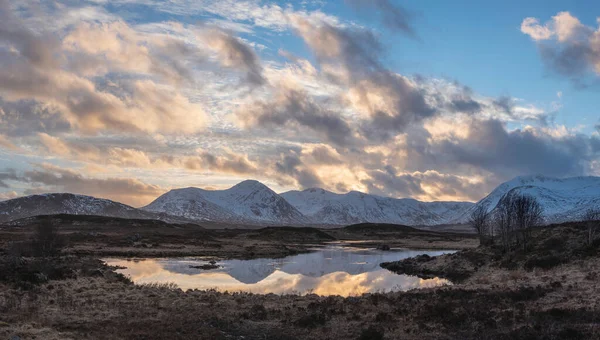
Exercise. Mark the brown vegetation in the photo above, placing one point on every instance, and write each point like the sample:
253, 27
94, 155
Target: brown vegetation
546, 292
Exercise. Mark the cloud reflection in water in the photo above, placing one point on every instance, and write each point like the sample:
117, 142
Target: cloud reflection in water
331, 271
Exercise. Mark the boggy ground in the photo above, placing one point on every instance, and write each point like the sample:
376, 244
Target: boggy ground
83, 299
106, 237
550, 292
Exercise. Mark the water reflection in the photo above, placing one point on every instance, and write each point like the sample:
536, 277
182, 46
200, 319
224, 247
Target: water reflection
333, 270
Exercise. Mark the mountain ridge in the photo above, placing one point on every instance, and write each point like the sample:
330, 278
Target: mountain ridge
563, 199
66, 203
251, 202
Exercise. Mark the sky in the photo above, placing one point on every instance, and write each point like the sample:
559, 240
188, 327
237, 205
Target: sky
434, 100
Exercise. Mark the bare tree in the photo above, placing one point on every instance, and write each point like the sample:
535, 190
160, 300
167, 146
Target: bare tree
514, 217
528, 213
480, 221
592, 220
503, 222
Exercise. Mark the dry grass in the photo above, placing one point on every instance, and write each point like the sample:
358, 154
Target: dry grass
108, 307
493, 301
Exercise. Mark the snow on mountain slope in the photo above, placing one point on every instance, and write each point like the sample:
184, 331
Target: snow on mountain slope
254, 203
247, 202
563, 199
190, 203
356, 207
51, 204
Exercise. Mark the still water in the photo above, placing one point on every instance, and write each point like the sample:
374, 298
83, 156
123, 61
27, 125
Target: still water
331, 270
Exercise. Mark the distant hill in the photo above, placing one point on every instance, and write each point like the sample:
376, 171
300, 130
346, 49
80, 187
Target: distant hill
563, 200
53, 204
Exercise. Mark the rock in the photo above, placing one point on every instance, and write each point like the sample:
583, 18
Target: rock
384, 247
208, 266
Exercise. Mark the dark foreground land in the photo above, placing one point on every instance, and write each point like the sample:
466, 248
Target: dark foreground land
550, 292
104, 236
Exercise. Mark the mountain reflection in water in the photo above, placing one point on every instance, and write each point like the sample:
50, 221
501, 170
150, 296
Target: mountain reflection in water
332, 270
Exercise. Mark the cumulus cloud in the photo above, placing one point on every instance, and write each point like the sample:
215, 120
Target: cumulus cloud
351, 57
566, 46
35, 67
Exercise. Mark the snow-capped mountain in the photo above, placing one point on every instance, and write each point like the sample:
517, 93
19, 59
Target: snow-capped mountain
356, 207
563, 199
247, 202
52, 204
251, 202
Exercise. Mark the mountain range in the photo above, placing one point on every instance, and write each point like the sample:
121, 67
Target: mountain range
251, 202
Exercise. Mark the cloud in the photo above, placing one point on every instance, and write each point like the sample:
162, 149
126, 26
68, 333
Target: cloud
101, 92
125, 157
351, 57
567, 46
532, 27
425, 185
290, 164
7, 175
323, 154
488, 145
28, 117
8, 195
295, 109
394, 16
50, 178
232, 52
228, 163
35, 67
5, 143
98, 49
37, 50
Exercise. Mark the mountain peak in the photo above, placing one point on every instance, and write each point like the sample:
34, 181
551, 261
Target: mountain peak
251, 185
249, 201
533, 178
